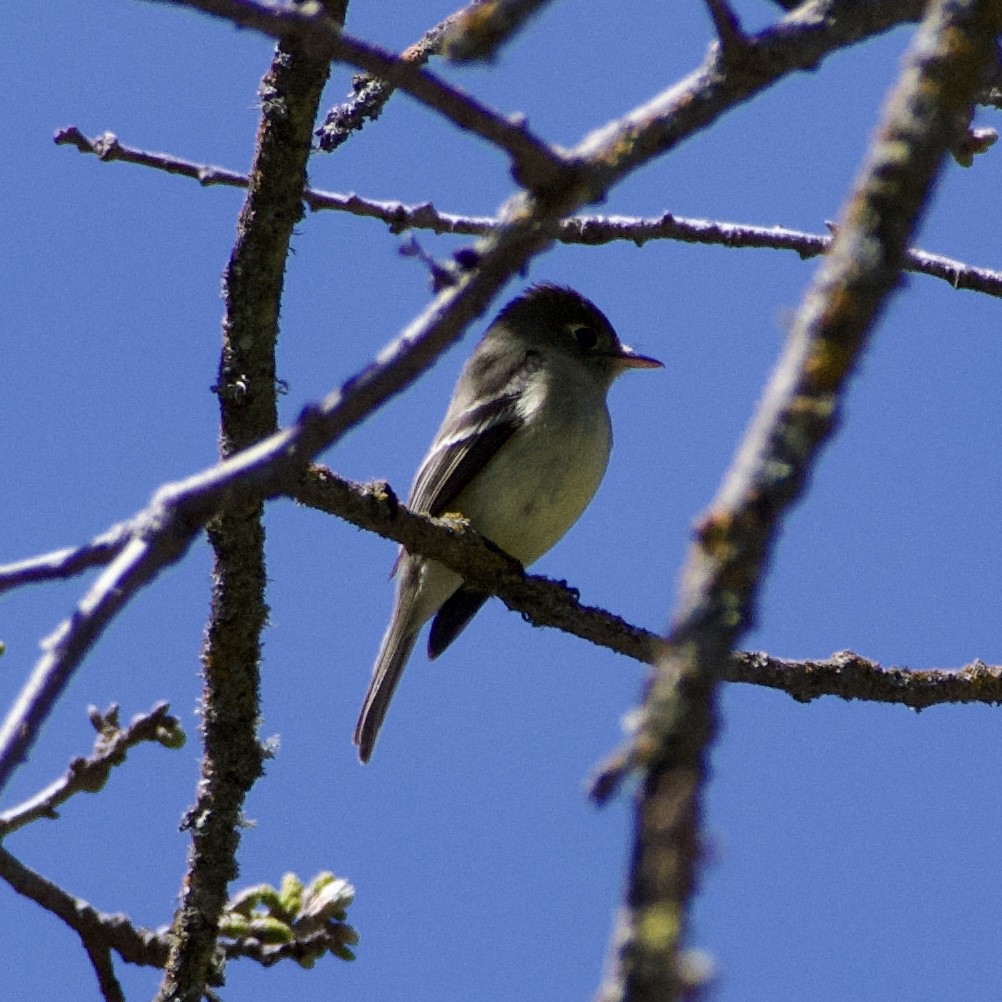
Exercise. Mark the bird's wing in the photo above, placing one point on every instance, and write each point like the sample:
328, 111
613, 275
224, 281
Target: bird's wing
459, 457
471, 434
470, 437
459, 608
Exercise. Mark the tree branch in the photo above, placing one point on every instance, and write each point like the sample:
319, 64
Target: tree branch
552, 603
798, 414
154, 546
598, 229
88, 775
104, 970
588, 230
233, 757
101, 932
375, 508
853, 677
66, 563
482, 565
731, 37
798, 41
98, 931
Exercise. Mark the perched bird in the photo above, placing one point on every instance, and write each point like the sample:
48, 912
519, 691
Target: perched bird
520, 453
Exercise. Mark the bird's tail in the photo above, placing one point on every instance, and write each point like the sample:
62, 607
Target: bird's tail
393, 654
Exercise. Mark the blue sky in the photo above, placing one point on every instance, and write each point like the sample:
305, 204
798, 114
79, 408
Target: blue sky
852, 846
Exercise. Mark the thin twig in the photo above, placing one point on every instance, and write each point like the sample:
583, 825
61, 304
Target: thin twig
303, 949
588, 230
68, 562
88, 775
598, 229
107, 147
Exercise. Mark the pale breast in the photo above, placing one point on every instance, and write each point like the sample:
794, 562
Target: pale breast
543, 478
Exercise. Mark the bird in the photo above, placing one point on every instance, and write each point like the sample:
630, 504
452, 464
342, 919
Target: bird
520, 453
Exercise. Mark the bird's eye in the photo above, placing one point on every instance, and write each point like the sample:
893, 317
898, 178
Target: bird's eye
586, 337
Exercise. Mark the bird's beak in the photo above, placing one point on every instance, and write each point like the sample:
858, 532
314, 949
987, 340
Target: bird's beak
629, 359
